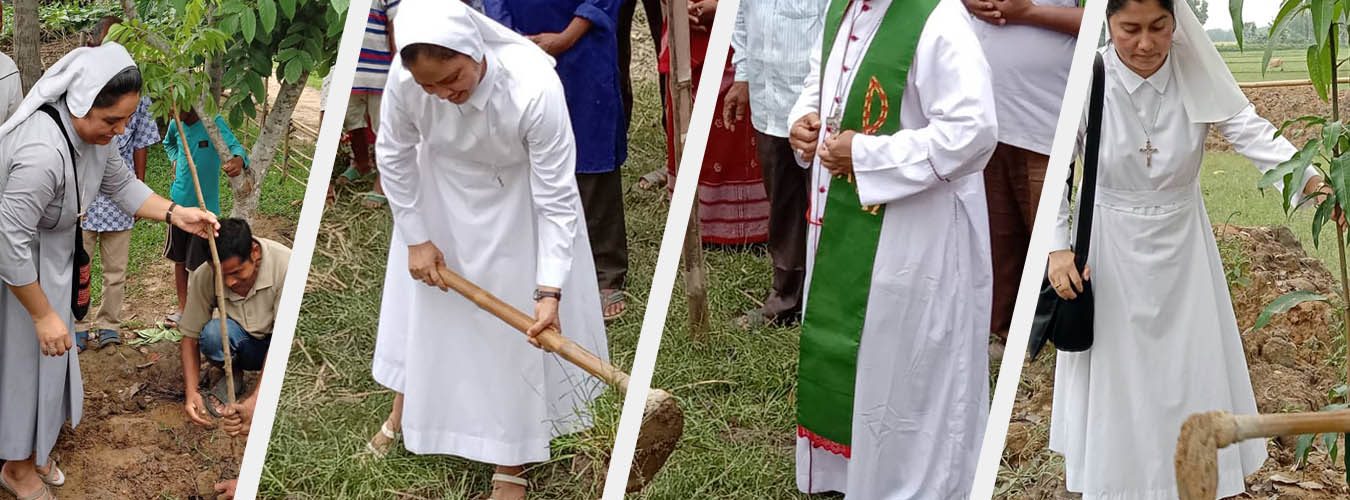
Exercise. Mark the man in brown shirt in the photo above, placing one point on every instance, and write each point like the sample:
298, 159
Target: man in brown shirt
254, 270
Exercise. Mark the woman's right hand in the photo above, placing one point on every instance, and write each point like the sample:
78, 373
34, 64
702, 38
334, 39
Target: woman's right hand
424, 259
1063, 274
803, 136
52, 334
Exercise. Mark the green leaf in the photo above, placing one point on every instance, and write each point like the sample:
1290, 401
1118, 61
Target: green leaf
340, 5
1283, 304
248, 25
256, 86
1322, 17
293, 70
1235, 12
1288, 9
1331, 136
1308, 120
287, 8
1301, 451
1281, 172
267, 13
1329, 441
1321, 217
1320, 69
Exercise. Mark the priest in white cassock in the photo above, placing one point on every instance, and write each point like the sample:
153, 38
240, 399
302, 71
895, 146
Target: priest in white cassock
476, 154
1166, 343
893, 381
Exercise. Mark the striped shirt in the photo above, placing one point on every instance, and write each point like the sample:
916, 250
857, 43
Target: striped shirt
103, 215
372, 69
773, 41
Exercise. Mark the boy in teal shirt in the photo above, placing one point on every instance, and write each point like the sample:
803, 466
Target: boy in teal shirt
188, 251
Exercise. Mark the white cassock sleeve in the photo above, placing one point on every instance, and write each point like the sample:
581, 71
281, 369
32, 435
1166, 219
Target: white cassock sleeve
1067, 205
809, 100
396, 157
553, 184
951, 77
1254, 137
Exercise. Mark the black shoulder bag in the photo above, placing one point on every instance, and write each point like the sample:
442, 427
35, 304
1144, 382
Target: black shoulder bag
1068, 323
79, 295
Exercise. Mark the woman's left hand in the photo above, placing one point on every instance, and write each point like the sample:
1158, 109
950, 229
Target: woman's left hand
545, 316
196, 221
836, 153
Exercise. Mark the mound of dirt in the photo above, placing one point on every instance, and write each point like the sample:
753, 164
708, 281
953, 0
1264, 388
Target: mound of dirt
1280, 105
134, 440
1290, 363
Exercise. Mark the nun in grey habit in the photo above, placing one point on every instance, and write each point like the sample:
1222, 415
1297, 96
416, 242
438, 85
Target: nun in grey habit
43, 191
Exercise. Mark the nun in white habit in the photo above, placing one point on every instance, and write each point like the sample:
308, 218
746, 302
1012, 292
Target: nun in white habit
1166, 340
43, 190
477, 157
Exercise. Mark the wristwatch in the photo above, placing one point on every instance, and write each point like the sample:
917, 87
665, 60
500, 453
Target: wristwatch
541, 294
168, 214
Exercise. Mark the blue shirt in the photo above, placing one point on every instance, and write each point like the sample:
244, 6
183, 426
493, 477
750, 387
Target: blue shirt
589, 72
103, 215
204, 156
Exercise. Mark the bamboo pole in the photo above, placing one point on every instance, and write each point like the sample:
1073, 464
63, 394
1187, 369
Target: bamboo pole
215, 261
681, 92
1282, 83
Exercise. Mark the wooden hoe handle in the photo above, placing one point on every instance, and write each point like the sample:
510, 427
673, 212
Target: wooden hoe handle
551, 340
1253, 426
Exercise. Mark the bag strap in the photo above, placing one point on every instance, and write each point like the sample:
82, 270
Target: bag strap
1091, 151
75, 172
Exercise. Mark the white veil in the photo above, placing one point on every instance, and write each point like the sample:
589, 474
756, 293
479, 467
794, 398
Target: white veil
79, 76
1208, 88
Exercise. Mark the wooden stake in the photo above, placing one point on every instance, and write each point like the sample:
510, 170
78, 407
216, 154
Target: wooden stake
215, 261
681, 94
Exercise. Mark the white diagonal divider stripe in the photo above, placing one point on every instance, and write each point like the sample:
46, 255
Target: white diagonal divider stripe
1061, 152
668, 261
307, 229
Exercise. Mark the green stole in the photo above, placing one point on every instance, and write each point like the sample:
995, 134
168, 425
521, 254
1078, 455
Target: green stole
842, 277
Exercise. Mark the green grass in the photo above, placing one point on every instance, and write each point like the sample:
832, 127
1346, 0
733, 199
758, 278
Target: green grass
1228, 181
1246, 66
330, 405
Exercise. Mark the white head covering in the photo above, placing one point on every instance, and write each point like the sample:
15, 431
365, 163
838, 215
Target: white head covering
1208, 88
79, 76
455, 26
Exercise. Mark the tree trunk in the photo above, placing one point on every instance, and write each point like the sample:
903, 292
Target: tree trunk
26, 42
273, 130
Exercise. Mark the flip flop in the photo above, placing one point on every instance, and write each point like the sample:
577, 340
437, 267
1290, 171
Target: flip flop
43, 494
108, 337
82, 340
608, 300
172, 319
219, 390
653, 180
351, 175
372, 199
54, 476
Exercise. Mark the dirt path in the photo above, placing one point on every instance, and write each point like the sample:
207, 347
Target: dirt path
307, 110
1289, 361
134, 441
